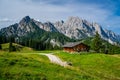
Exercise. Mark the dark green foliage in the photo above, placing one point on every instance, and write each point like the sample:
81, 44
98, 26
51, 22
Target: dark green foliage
0, 47
106, 47
97, 43
103, 48
3, 39
88, 41
113, 49
11, 47
57, 47
40, 40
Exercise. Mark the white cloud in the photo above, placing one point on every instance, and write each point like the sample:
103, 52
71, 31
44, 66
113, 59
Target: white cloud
6, 20
45, 10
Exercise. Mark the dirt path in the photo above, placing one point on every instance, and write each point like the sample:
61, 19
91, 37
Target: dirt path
55, 59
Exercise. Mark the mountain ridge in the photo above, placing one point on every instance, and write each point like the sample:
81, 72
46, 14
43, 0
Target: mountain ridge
78, 28
74, 28
28, 30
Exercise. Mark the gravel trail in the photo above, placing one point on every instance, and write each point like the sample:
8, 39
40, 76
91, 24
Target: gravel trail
55, 59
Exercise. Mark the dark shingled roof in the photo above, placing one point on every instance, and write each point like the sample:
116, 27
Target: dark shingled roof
71, 44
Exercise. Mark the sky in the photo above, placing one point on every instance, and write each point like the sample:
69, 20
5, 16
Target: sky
104, 12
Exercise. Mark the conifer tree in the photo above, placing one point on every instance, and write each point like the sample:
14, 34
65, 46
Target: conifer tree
97, 43
10, 46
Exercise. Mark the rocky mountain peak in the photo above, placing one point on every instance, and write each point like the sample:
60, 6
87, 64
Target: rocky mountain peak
25, 20
78, 28
59, 23
74, 20
48, 26
73, 23
62, 21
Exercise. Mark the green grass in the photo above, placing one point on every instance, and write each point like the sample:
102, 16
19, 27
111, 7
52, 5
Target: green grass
100, 66
27, 64
34, 67
19, 48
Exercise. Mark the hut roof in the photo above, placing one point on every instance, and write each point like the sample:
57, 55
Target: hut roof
71, 44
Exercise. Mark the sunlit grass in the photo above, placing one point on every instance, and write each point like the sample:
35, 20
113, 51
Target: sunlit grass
35, 67
97, 65
28, 64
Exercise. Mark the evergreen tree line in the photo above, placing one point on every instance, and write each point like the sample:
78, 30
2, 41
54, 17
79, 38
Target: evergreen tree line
100, 46
3, 39
33, 43
38, 45
97, 44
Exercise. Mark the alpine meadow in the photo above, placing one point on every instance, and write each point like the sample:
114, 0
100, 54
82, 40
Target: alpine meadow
59, 40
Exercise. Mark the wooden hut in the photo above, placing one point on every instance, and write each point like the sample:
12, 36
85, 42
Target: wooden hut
75, 47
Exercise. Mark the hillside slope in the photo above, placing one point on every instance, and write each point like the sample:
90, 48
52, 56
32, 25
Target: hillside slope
100, 66
34, 67
19, 48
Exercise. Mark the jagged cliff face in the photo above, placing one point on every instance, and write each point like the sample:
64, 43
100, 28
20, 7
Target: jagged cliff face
25, 26
78, 28
32, 29
47, 26
74, 27
8, 31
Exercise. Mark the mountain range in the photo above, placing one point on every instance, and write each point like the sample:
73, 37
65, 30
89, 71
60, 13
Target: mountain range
78, 28
59, 32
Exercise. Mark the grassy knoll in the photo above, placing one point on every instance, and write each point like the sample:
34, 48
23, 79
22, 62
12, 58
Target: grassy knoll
20, 65
19, 48
34, 67
99, 66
